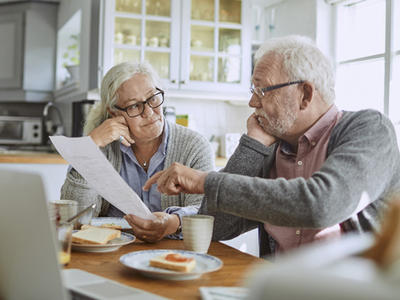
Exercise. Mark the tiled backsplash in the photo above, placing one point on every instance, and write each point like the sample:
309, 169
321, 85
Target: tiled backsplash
213, 117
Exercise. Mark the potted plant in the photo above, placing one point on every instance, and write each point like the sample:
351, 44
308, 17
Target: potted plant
71, 57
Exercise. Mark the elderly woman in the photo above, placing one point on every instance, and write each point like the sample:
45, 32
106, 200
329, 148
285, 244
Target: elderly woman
129, 127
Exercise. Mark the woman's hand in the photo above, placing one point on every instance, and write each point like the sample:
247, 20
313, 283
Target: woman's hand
152, 231
110, 130
178, 179
255, 131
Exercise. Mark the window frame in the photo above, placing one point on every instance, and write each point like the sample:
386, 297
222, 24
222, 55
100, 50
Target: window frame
388, 55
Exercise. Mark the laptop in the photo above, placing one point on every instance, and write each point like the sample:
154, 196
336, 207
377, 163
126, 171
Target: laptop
29, 267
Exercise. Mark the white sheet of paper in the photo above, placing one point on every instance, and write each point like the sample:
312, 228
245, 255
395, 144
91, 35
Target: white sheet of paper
84, 155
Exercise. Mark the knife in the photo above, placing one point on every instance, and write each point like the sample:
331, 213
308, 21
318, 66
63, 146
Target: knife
82, 212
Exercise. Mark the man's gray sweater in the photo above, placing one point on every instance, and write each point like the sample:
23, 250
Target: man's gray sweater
362, 155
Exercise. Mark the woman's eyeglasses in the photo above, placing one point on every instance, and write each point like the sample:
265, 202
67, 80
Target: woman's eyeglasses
137, 109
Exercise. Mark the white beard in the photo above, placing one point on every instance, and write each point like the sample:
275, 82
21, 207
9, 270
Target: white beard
276, 126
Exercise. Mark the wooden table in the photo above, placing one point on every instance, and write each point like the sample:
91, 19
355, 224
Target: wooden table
234, 271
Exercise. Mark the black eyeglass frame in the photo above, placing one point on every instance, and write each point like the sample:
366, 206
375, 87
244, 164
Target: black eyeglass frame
274, 87
160, 91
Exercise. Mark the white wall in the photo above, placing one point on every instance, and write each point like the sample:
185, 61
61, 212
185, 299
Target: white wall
213, 117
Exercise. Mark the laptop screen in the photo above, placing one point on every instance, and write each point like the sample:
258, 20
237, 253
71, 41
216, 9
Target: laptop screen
28, 260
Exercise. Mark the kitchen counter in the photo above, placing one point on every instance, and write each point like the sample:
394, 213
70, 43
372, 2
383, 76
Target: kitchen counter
30, 157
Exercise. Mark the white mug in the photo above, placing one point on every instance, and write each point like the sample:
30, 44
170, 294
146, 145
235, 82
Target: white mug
197, 232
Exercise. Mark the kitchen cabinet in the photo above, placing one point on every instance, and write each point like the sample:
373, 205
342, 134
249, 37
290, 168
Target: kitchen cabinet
11, 52
27, 50
195, 46
78, 24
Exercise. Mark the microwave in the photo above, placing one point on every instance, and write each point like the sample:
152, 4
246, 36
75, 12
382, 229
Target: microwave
17, 130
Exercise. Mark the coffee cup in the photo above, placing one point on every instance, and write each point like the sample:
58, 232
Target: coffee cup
197, 232
64, 209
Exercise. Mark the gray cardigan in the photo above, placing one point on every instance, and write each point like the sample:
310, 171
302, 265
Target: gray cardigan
362, 155
184, 146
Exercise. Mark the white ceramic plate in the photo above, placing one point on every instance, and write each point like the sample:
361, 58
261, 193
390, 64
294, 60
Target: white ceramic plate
110, 220
112, 245
139, 261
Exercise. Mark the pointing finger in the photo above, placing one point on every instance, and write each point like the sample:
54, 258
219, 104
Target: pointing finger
152, 180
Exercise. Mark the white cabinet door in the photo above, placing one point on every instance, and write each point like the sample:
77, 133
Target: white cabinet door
138, 30
194, 45
215, 46
11, 37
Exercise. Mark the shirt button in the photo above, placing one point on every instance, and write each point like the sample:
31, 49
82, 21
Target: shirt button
298, 232
313, 143
300, 163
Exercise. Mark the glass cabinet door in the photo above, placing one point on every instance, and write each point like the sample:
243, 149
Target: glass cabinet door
192, 44
142, 31
229, 53
215, 41
126, 39
157, 51
202, 53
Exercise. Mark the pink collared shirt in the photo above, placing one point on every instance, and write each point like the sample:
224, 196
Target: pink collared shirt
311, 154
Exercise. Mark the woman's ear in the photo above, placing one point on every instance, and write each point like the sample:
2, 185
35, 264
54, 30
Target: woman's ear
308, 93
110, 112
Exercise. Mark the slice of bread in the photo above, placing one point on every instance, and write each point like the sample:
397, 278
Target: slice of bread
110, 225
173, 261
95, 235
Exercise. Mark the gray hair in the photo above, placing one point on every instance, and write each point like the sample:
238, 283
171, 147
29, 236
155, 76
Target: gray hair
302, 60
111, 82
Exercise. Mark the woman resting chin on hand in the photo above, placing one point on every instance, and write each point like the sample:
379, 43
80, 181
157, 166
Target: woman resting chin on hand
129, 127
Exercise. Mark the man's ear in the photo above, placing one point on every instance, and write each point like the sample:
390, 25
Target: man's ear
308, 93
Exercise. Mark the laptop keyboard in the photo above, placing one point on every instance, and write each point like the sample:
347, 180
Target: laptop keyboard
83, 285
109, 289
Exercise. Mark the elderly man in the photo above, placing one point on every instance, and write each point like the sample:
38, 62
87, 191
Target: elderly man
300, 172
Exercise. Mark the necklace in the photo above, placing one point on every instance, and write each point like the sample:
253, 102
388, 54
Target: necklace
143, 163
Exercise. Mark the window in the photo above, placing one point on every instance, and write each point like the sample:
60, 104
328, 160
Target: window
368, 56
394, 99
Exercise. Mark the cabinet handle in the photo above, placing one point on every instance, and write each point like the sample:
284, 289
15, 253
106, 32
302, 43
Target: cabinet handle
182, 82
173, 81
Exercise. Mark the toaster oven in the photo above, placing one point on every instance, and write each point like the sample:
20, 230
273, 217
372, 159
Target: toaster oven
17, 130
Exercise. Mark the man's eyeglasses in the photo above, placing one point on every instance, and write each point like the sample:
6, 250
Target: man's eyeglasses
137, 109
260, 92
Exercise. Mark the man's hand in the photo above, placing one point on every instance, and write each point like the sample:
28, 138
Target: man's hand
110, 130
152, 231
178, 179
255, 131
